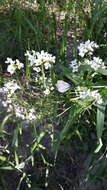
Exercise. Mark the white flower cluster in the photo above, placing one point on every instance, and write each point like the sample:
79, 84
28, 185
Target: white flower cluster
13, 65
49, 87
74, 66
9, 90
96, 63
84, 93
12, 105
10, 87
62, 86
45, 84
87, 48
37, 59
24, 113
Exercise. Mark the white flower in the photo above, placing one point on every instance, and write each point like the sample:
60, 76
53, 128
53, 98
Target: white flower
51, 88
9, 60
38, 62
96, 63
27, 53
7, 102
62, 86
11, 69
31, 115
19, 111
23, 113
99, 99
47, 91
11, 87
42, 58
31, 57
13, 65
19, 64
45, 57
37, 69
47, 65
74, 66
87, 48
84, 93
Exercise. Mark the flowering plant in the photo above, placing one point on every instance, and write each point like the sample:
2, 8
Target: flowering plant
27, 102
35, 83
85, 86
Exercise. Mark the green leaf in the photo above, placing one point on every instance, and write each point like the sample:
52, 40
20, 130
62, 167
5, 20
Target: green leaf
3, 158
78, 134
37, 142
75, 111
21, 179
98, 15
15, 137
67, 72
100, 144
5, 120
102, 71
7, 168
85, 68
100, 124
100, 119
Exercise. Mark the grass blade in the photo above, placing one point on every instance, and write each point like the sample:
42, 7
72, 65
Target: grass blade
100, 124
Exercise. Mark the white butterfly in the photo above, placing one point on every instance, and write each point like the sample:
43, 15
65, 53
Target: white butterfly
62, 86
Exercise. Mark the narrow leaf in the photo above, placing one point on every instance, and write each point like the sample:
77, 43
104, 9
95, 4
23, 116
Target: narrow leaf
102, 71
100, 124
